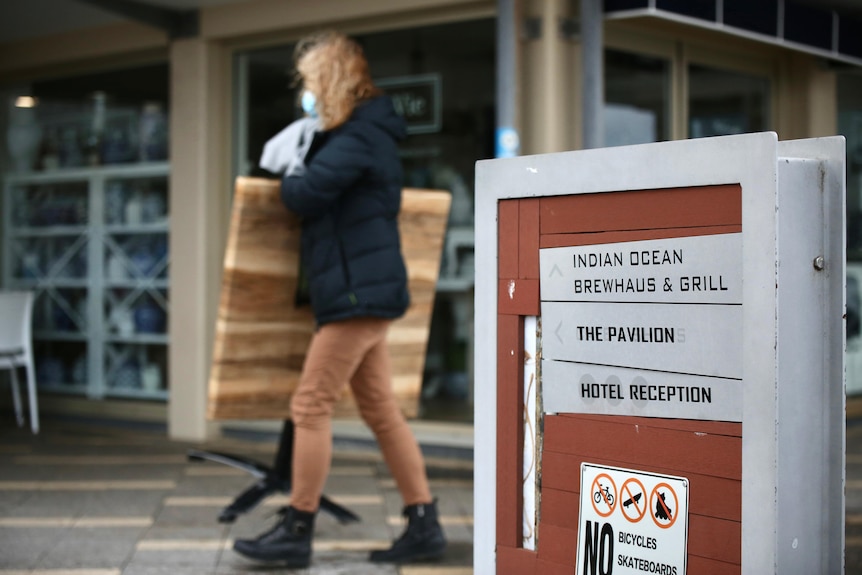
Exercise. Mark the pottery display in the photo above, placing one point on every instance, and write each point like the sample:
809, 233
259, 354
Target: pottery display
71, 154
128, 376
134, 211
23, 138
153, 208
153, 144
126, 233
50, 370
149, 318
114, 209
151, 377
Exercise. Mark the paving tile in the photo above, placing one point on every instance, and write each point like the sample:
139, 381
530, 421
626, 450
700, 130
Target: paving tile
177, 531
186, 516
92, 548
202, 560
146, 569
322, 563
22, 548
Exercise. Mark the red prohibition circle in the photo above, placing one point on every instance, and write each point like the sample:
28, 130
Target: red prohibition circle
604, 494
628, 496
653, 500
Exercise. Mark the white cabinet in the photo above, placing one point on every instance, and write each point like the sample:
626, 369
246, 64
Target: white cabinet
93, 244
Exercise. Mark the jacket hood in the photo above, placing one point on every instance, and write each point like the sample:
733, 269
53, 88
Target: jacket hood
380, 111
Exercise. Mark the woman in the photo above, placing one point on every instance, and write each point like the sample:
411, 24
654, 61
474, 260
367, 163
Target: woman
348, 194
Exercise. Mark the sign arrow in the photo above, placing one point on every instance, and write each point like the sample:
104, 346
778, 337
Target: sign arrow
555, 271
557, 331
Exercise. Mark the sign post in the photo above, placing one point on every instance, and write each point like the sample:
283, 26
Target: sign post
688, 299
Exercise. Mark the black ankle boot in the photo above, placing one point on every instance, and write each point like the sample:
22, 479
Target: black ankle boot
288, 541
423, 539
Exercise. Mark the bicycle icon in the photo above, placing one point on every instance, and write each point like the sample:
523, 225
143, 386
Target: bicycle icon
604, 493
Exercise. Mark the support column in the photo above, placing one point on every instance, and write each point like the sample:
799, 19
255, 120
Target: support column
547, 73
198, 211
507, 65
593, 80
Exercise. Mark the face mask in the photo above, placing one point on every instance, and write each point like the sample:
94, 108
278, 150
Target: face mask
309, 103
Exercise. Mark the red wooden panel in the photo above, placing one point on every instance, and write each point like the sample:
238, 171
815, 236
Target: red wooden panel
709, 496
730, 428
644, 209
512, 561
557, 544
518, 297
528, 239
709, 454
715, 502
698, 565
715, 538
715, 497
561, 471
565, 240
510, 351
507, 238
549, 568
560, 508
643, 447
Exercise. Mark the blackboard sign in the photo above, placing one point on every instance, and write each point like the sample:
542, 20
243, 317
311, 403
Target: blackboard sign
417, 99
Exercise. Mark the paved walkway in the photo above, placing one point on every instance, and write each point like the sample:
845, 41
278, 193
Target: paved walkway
82, 499
88, 500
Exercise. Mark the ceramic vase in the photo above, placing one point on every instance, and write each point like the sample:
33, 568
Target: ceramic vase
23, 138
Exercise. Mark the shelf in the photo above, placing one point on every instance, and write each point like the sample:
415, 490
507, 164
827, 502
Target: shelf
48, 231
57, 282
131, 392
81, 262
132, 283
141, 338
154, 228
75, 388
150, 169
60, 336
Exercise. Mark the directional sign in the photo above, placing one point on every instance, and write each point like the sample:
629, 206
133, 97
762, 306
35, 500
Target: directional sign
649, 328
631, 522
696, 269
683, 338
571, 387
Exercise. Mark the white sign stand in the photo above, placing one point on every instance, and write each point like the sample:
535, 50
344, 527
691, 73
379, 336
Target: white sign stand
790, 390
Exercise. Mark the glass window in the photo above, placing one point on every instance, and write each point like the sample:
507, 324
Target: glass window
850, 126
85, 227
637, 98
442, 79
92, 120
723, 102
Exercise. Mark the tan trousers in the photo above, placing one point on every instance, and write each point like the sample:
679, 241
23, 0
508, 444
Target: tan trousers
355, 352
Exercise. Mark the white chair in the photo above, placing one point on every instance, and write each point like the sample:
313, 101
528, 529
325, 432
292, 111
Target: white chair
16, 348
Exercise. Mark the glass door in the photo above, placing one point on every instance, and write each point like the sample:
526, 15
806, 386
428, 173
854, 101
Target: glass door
442, 79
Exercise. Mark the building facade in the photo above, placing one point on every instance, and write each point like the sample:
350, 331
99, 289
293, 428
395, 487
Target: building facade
125, 131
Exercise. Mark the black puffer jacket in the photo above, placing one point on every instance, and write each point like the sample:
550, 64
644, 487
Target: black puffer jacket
348, 197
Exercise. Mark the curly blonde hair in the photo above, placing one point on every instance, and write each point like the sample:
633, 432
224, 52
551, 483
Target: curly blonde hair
333, 67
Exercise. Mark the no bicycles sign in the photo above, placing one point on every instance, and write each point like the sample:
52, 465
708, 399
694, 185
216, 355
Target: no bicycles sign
631, 522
